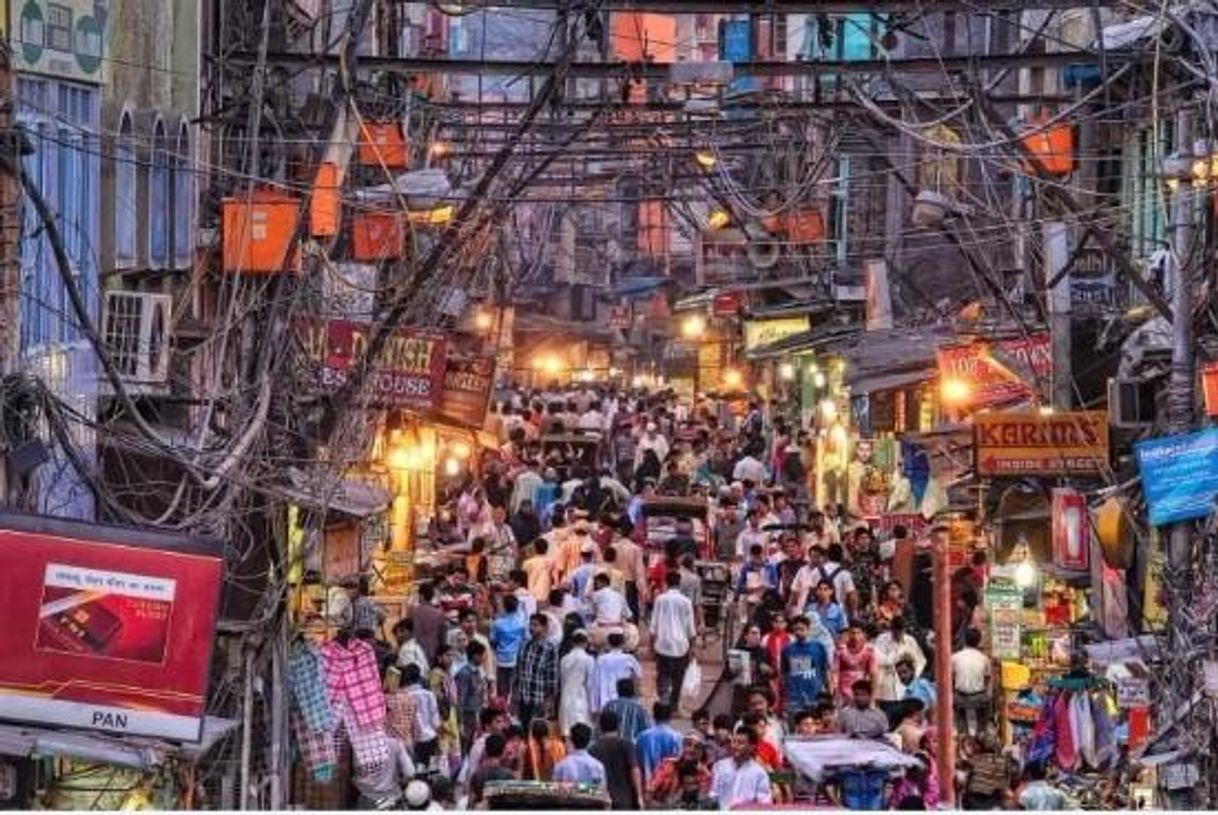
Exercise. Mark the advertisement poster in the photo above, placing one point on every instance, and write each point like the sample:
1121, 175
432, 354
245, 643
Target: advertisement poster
467, 389
409, 372
1001, 371
1179, 475
65, 39
1071, 530
108, 629
1030, 443
1005, 604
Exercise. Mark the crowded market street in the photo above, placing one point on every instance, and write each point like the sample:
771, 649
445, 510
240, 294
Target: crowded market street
726, 405
635, 597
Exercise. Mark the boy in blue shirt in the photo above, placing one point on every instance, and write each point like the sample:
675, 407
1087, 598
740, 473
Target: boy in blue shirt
508, 633
804, 668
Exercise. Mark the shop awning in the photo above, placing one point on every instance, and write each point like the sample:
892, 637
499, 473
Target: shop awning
860, 384
817, 339
137, 753
813, 756
350, 496
639, 286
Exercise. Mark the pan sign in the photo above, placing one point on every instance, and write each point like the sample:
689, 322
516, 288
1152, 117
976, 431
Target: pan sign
1030, 443
106, 628
1179, 475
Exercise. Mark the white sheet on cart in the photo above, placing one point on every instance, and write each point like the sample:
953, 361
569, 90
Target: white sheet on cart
813, 755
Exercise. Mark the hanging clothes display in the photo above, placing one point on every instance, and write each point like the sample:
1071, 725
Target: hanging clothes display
1065, 750
354, 687
353, 682
312, 718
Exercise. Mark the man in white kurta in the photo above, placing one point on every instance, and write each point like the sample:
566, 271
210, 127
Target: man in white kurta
611, 666
576, 688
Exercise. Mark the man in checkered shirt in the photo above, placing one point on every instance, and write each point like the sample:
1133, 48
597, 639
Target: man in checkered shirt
536, 673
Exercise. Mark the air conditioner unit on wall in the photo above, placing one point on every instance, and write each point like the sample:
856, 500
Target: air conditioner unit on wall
137, 335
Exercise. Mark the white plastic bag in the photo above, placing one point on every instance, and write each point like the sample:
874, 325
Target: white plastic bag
691, 685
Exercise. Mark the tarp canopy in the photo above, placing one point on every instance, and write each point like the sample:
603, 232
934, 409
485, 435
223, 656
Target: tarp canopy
815, 756
350, 496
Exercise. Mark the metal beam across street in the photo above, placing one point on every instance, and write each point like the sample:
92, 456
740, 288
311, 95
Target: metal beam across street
795, 6
660, 70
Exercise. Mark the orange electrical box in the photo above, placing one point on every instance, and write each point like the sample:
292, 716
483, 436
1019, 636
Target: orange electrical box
1053, 146
259, 231
805, 226
378, 236
325, 210
383, 143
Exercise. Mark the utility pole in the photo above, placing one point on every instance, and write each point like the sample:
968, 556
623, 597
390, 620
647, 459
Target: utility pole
1180, 397
945, 741
1057, 255
10, 260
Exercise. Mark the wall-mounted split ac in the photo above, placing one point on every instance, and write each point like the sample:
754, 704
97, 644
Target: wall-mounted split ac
136, 331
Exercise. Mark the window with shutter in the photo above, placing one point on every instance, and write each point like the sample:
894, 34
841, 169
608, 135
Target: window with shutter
125, 195
159, 201
183, 200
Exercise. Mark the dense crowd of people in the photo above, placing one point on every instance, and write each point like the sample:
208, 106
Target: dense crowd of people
560, 633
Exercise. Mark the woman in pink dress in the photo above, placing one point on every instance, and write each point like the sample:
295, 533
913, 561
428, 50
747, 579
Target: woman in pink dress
853, 660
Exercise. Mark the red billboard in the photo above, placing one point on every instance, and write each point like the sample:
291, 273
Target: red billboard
1000, 371
409, 372
106, 628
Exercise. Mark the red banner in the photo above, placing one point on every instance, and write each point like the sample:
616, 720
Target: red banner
106, 628
409, 372
467, 390
1000, 371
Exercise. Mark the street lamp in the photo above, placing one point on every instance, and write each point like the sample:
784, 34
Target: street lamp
483, 320
706, 159
818, 379
955, 391
693, 326
718, 219
786, 372
733, 379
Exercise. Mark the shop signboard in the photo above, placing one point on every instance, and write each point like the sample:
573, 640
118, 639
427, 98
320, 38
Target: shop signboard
1024, 443
1004, 601
65, 38
106, 628
466, 394
763, 332
1179, 475
1133, 691
727, 303
999, 371
409, 372
620, 317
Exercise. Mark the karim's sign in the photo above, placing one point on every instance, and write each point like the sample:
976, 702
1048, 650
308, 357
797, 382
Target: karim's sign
106, 628
1030, 443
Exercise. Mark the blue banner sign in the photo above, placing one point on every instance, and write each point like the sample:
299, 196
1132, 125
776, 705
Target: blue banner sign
1179, 475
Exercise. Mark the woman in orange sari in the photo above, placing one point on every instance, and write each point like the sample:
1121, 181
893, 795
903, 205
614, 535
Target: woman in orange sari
542, 751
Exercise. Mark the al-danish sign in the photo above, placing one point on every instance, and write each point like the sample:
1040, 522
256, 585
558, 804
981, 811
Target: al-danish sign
1030, 443
408, 372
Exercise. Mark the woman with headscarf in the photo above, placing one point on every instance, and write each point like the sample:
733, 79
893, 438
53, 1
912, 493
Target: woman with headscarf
648, 470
